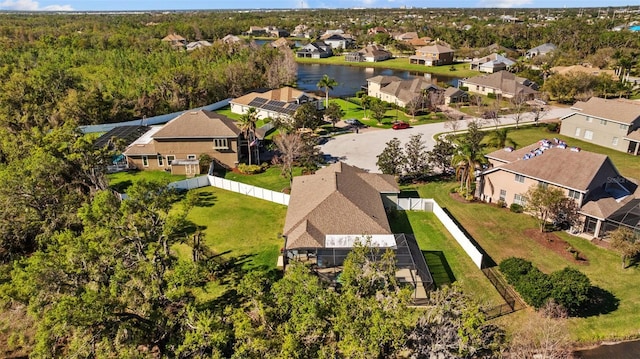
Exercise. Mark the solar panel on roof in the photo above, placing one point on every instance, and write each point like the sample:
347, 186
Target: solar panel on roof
257, 102
277, 103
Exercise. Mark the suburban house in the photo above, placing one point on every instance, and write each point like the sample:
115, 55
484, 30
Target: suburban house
338, 41
492, 63
278, 103
371, 53
340, 206
540, 50
455, 95
231, 39
377, 30
281, 43
406, 36
502, 83
433, 55
315, 50
118, 138
175, 40
418, 42
197, 45
177, 146
602, 195
611, 123
395, 90
301, 30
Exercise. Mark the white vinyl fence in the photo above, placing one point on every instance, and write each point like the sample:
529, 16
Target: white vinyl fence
430, 205
191, 183
249, 190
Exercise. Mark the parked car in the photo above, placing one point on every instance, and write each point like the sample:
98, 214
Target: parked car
354, 122
400, 125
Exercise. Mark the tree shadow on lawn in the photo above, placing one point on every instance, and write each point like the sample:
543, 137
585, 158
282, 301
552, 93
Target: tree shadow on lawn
601, 302
439, 268
205, 199
487, 261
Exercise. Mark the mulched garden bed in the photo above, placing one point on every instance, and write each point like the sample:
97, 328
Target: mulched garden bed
553, 242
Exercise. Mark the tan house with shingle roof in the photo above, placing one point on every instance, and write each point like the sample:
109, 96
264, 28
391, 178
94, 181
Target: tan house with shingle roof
433, 55
371, 53
278, 103
502, 83
177, 146
589, 178
340, 206
175, 40
395, 90
611, 123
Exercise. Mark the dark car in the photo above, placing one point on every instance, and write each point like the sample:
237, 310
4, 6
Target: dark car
400, 125
354, 122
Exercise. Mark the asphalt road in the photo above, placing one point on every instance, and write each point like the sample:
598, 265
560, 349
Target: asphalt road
360, 149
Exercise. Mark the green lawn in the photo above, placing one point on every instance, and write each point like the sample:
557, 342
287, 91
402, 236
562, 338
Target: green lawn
120, 181
627, 164
238, 226
501, 234
400, 63
353, 110
447, 261
269, 179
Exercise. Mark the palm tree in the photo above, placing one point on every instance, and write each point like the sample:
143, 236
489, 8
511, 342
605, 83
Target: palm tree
326, 83
500, 138
466, 160
248, 127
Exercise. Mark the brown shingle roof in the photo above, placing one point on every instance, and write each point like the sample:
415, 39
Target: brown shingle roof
198, 124
173, 37
634, 136
338, 199
503, 80
566, 168
620, 110
435, 49
284, 94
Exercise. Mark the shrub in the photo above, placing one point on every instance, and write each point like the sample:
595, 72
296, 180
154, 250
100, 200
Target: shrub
516, 208
553, 127
570, 289
515, 268
535, 288
501, 203
491, 95
464, 88
250, 169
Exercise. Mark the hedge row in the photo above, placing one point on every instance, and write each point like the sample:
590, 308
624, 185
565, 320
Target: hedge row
567, 287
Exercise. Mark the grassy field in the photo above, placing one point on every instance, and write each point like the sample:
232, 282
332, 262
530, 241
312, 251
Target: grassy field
270, 179
447, 261
353, 110
400, 63
501, 234
627, 164
121, 180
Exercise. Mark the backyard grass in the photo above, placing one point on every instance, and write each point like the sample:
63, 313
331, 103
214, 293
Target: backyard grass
270, 179
447, 261
399, 63
120, 181
501, 234
353, 110
627, 164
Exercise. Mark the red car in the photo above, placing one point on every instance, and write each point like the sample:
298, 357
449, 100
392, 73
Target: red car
400, 125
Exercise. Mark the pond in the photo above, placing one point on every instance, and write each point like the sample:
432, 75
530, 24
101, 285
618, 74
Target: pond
351, 78
625, 350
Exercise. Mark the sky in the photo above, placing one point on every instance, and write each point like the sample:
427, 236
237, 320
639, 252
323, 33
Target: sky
130, 5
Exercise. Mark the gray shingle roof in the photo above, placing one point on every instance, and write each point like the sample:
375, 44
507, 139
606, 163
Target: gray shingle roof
620, 110
198, 124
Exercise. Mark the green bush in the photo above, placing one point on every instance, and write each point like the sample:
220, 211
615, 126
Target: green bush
552, 127
516, 208
464, 88
515, 268
250, 169
491, 95
570, 289
501, 203
535, 288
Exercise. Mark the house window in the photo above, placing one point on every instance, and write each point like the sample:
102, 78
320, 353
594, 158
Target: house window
588, 135
589, 119
577, 132
543, 184
191, 157
503, 194
624, 127
614, 141
574, 194
170, 159
220, 144
519, 199
520, 178
160, 161
145, 161
603, 122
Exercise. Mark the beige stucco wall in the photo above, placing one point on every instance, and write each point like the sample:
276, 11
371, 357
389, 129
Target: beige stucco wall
483, 90
603, 134
503, 180
183, 149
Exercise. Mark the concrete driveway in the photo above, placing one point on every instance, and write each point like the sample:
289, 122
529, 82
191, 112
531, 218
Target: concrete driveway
361, 149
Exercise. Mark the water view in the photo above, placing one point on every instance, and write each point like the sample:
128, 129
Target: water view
351, 78
626, 350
